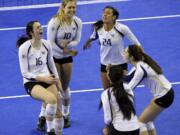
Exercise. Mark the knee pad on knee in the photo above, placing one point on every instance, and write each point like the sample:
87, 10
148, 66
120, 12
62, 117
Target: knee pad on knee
67, 93
43, 110
51, 110
142, 127
150, 126
58, 124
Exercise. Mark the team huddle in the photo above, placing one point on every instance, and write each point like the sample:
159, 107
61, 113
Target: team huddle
46, 68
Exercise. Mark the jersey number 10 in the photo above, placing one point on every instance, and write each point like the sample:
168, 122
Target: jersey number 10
67, 35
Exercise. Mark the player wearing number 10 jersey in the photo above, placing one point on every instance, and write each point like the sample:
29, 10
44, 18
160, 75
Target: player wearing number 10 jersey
64, 33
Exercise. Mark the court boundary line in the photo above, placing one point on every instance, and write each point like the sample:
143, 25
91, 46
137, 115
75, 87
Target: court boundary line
119, 20
9, 8
74, 91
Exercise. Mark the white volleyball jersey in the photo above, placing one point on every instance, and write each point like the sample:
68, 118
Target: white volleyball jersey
112, 44
118, 120
57, 33
157, 83
36, 62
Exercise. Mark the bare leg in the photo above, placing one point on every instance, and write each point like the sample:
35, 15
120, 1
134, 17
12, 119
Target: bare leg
150, 113
48, 97
105, 81
152, 132
65, 75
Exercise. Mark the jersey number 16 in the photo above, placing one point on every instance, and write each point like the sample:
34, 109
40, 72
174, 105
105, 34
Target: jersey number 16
38, 61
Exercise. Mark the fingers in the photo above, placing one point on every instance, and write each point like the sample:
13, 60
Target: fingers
52, 75
86, 46
73, 52
59, 87
64, 43
105, 131
61, 92
51, 79
70, 52
65, 51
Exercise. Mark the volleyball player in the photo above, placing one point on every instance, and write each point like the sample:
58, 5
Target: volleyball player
64, 34
118, 105
147, 71
39, 73
111, 36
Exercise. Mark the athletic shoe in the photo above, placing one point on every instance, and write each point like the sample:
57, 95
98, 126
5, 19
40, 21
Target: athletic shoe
67, 122
41, 124
51, 132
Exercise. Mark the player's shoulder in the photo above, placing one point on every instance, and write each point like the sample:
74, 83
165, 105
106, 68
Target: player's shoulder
120, 25
105, 93
77, 19
54, 21
141, 63
46, 42
25, 45
127, 89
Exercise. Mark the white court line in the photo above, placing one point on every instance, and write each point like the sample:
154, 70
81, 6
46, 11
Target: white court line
57, 5
74, 91
122, 20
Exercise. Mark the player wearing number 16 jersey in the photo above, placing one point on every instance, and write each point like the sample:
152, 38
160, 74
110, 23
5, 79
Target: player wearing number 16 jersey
39, 73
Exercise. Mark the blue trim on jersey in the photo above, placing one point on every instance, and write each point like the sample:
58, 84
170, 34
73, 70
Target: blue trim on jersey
27, 56
31, 79
47, 58
144, 76
45, 47
56, 38
76, 24
119, 32
96, 36
127, 78
76, 27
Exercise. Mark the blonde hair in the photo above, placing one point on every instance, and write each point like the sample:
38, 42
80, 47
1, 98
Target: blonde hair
60, 14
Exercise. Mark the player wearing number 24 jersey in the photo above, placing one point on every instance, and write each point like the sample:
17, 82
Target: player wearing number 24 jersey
111, 37
112, 44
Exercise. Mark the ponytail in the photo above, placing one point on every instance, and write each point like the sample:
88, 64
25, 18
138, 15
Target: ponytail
29, 31
60, 14
122, 97
97, 25
139, 55
147, 59
124, 100
21, 40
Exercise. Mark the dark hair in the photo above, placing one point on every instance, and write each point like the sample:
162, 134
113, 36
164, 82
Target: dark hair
24, 38
21, 40
122, 97
138, 54
29, 28
99, 24
115, 11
